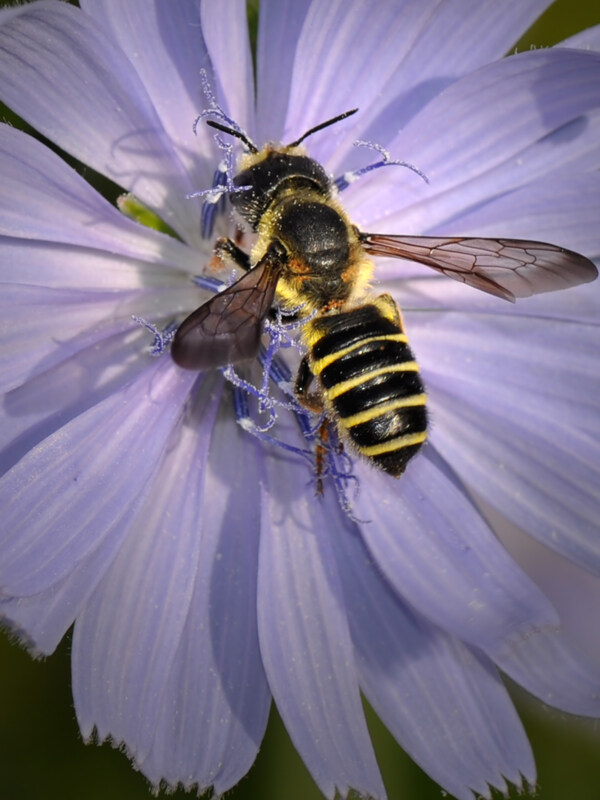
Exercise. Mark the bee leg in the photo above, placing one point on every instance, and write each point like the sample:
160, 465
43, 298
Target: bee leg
314, 401
228, 250
321, 454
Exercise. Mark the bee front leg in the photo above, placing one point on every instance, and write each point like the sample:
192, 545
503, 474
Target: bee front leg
228, 250
314, 401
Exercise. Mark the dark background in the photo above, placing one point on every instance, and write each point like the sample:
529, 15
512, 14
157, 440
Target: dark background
42, 756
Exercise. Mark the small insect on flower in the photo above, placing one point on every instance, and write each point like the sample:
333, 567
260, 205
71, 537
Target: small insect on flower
312, 259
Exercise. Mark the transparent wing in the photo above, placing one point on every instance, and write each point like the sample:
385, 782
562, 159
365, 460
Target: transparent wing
227, 328
507, 268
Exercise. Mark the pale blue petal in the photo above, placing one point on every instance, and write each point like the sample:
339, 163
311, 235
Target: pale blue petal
279, 26
545, 120
441, 557
402, 55
41, 620
555, 210
42, 263
126, 637
444, 704
32, 413
585, 40
304, 638
552, 669
426, 297
42, 405
378, 44
509, 365
79, 485
225, 30
164, 43
562, 667
61, 73
569, 587
45, 199
531, 458
7, 12
215, 702
41, 327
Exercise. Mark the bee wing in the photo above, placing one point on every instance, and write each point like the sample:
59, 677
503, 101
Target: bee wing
507, 268
228, 327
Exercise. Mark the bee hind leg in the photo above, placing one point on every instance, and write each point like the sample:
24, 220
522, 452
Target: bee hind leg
314, 402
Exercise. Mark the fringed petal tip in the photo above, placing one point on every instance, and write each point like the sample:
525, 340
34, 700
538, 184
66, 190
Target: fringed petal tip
17, 634
156, 783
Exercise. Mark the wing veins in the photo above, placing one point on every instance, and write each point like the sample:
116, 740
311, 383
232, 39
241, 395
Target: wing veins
506, 268
227, 328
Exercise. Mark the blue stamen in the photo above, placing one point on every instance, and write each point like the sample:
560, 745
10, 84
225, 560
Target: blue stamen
211, 284
304, 419
214, 204
339, 469
214, 109
242, 414
223, 185
386, 161
162, 339
265, 403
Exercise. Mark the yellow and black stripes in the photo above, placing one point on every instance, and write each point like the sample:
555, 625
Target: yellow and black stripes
370, 383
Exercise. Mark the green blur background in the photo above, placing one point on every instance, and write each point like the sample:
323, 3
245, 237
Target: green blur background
42, 756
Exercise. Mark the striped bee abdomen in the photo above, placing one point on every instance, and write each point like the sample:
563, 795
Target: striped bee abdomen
371, 383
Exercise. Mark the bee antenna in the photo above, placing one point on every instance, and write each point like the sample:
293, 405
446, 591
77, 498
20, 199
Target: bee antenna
323, 125
233, 132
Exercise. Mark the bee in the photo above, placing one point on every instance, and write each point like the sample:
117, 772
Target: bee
308, 255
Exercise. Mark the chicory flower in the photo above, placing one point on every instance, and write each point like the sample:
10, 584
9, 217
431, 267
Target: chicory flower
203, 576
